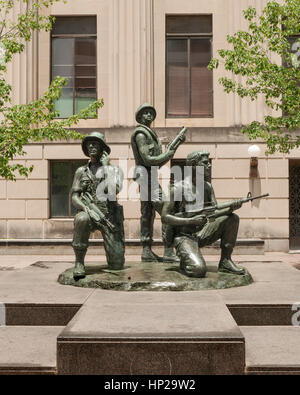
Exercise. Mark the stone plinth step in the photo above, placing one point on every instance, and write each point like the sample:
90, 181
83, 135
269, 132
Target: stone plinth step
133, 247
28, 350
35, 314
272, 349
151, 333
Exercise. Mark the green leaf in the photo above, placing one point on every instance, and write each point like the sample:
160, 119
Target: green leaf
36, 121
250, 56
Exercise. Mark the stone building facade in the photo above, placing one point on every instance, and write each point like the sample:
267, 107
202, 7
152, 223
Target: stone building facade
133, 43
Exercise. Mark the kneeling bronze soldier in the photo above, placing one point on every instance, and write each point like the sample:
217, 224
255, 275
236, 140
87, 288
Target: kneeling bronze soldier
97, 208
194, 231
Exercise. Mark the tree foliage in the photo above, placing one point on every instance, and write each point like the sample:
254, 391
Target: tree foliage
253, 57
36, 121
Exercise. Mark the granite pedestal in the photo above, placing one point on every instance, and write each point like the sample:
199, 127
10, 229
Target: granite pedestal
125, 334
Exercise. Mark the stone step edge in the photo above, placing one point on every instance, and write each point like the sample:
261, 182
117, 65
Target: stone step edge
272, 369
27, 370
49, 314
129, 242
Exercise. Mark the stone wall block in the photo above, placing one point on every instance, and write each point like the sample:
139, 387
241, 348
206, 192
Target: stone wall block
3, 229
27, 189
58, 229
12, 209
37, 209
2, 189
34, 151
23, 229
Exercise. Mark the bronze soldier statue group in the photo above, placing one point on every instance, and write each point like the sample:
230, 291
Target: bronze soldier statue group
97, 184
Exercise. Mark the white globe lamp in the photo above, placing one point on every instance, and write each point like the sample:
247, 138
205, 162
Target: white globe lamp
253, 152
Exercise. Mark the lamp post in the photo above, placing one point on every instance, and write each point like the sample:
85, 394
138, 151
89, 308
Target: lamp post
253, 152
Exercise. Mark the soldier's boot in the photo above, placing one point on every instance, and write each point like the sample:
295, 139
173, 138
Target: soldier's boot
170, 256
148, 255
79, 270
226, 265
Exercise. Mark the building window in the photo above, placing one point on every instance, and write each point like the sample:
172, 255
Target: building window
294, 42
295, 45
61, 179
73, 54
189, 84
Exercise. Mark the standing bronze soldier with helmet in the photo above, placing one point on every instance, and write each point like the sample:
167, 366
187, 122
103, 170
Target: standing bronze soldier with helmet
147, 150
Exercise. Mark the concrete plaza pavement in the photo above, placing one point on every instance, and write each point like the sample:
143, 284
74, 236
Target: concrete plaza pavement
42, 317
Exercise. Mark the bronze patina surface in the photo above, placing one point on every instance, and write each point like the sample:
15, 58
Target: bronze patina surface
94, 191
149, 156
149, 276
202, 226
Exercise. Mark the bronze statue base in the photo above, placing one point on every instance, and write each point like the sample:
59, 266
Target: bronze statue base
152, 276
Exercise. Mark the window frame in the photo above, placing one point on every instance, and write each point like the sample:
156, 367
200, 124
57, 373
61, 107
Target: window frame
294, 37
73, 36
188, 37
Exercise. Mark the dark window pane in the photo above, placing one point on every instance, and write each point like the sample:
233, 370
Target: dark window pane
75, 25
293, 40
85, 83
62, 174
201, 105
86, 93
85, 51
189, 24
200, 52
84, 97
69, 85
64, 105
62, 71
85, 71
74, 167
201, 78
177, 78
295, 47
59, 189
62, 51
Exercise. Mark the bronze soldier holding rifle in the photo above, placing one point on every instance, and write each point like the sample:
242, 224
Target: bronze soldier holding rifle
194, 230
94, 191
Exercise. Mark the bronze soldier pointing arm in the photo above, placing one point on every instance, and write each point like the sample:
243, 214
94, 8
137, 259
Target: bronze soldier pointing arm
148, 154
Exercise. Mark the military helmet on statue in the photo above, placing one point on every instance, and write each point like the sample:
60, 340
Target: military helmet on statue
94, 136
142, 108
